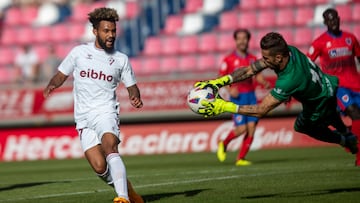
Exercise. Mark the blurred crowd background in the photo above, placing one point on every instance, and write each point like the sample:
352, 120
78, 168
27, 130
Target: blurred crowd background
164, 38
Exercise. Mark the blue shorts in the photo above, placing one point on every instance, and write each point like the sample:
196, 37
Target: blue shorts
347, 97
248, 98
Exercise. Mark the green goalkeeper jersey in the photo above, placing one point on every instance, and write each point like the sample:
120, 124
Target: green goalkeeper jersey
304, 81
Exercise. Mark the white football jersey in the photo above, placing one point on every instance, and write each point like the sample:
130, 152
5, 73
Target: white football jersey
96, 77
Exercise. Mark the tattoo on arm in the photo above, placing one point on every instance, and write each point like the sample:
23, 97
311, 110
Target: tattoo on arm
241, 74
260, 110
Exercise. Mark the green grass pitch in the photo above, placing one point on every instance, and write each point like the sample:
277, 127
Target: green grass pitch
284, 175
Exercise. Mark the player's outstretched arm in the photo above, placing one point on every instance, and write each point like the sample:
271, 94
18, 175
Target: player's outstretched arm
56, 81
238, 75
134, 96
220, 106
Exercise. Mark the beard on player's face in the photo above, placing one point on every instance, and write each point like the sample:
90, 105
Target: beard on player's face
104, 44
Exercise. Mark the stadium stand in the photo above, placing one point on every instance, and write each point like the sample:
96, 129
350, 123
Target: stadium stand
166, 36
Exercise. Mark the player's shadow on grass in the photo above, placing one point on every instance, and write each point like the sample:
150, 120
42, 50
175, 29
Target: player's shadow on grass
188, 193
305, 193
26, 185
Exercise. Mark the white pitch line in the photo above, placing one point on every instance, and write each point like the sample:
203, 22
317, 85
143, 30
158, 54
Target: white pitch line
141, 186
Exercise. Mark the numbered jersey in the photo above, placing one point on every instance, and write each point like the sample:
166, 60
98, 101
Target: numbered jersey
304, 81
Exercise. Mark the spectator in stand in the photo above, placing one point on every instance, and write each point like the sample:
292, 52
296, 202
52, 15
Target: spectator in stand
26, 64
49, 66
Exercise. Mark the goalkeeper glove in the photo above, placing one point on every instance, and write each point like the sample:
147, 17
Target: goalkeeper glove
217, 107
216, 84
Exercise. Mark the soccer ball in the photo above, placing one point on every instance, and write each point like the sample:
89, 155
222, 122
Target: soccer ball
196, 95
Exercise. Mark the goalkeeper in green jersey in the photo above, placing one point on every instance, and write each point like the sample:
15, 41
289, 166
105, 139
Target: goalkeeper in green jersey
298, 77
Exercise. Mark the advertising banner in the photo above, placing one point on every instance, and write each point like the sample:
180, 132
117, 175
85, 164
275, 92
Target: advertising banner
139, 139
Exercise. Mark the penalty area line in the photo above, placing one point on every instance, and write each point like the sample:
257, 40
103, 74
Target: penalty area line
138, 186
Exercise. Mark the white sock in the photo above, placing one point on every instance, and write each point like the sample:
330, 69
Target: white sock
106, 177
118, 174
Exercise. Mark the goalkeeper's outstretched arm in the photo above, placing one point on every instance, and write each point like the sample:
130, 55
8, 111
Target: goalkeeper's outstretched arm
261, 109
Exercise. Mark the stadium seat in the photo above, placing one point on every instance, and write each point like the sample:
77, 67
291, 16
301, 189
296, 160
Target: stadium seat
63, 49
43, 34
136, 64
12, 17
226, 42
173, 24
266, 18
5, 76
318, 31
207, 62
170, 45
228, 21
253, 43
285, 3
7, 56
169, 64
9, 36
208, 42
304, 15
288, 34
248, 5
265, 4
303, 37
59, 33
151, 65
212, 7
29, 14
285, 17
356, 13
188, 63
192, 24
192, 6
80, 11
247, 20
132, 9
25, 35
300, 3
345, 12
77, 31
189, 44
42, 51
152, 46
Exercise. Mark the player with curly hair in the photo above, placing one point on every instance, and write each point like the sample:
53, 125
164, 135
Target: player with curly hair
97, 69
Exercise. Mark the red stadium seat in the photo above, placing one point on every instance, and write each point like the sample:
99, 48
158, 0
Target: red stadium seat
356, 13
152, 46
80, 11
59, 33
247, 20
42, 50
29, 14
7, 56
285, 17
265, 4
189, 44
303, 37
288, 34
193, 6
253, 43
266, 19
170, 45
207, 62
25, 35
43, 34
345, 12
132, 9
188, 63
9, 36
136, 64
304, 15
226, 42
318, 31
208, 42
285, 3
169, 64
248, 5
173, 24
151, 65
77, 31
228, 21
63, 49
13, 16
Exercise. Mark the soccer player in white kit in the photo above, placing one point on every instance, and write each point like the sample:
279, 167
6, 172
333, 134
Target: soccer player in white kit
97, 69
